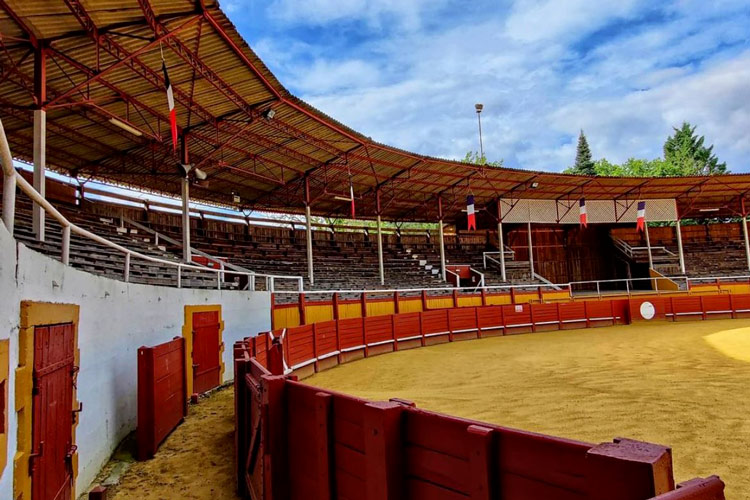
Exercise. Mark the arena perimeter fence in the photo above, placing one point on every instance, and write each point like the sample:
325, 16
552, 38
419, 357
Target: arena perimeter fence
295, 441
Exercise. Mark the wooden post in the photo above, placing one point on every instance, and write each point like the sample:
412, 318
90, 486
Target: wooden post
335, 305
301, 306
479, 444
628, 470
323, 438
383, 451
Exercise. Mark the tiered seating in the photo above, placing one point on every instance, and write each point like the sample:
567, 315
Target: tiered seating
715, 258
100, 259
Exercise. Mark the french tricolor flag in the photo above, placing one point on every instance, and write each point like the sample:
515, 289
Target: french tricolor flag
351, 195
641, 222
470, 217
170, 102
582, 208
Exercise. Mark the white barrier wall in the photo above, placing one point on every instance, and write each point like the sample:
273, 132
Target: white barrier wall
115, 319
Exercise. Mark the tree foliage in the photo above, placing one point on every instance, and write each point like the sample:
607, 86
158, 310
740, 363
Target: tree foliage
480, 159
584, 164
685, 153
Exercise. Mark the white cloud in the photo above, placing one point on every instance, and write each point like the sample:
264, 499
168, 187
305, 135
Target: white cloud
415, 88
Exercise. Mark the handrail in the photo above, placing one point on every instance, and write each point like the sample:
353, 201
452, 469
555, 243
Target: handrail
545, 281
481, 278
172, 241
69, 227
628, 250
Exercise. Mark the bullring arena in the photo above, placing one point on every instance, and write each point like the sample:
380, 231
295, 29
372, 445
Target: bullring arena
225, 340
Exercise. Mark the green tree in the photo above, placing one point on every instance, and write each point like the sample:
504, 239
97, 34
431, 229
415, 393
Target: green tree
479, 159
584, 164
687, 154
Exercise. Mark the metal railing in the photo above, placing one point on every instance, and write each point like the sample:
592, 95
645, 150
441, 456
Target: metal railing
13, 179
488, 256
630, 251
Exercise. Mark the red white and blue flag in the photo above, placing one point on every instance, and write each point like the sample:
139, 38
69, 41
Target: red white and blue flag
582, 208
351, 195
470, 217
170, 103
641, 222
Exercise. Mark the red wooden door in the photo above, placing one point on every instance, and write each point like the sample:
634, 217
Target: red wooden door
206, 346
52, 438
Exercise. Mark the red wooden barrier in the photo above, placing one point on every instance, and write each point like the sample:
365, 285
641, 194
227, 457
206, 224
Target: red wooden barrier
296, 442
162, 394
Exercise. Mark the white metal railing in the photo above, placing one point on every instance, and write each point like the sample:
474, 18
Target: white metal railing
630, 251
480, 283
488, 256
13, 179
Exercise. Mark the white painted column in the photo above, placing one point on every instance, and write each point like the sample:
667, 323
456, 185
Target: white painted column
747, 241
648, 247
9, 182
442, 250
531, 252
186, 254
308, 228
679, 247
501, 244
380, 252
40, 165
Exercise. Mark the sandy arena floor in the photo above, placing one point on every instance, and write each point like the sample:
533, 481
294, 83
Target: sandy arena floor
686, 385
195, 462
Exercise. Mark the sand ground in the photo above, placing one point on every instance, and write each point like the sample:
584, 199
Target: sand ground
195, 462
686, 385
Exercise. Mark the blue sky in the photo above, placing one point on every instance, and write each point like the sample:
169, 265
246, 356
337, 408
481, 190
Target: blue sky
408, 72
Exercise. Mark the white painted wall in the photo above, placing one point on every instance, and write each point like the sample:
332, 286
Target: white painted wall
115, 319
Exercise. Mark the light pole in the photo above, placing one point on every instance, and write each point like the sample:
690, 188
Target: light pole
479, 108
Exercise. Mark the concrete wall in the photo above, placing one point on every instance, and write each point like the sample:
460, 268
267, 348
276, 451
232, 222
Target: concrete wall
115, 319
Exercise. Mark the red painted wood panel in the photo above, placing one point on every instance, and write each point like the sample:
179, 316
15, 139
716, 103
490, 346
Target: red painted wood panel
162, 395
299, 342
350, 332
52, 421
435, 321
206, 351
516, 314
490, 316
325, 337
462, 318
406, 325
545, 313
379, 329
572, 311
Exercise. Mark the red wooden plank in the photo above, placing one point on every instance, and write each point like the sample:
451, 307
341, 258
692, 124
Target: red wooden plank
406, 325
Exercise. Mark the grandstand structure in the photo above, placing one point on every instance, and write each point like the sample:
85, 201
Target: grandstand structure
89, 275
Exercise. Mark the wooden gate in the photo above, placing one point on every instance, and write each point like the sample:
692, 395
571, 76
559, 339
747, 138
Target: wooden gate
206, 351
52, 436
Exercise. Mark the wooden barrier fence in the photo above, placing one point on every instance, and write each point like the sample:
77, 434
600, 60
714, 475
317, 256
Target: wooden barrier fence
162, 394
295, 441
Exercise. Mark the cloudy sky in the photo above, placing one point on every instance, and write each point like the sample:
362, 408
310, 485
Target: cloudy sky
408, 72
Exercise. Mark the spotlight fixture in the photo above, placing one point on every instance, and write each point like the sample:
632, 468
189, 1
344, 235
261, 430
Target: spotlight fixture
200, 175
534, 185
236, 198
269, 114
125, 127
479, 107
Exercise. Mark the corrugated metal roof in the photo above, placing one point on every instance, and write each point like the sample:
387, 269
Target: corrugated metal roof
222, 90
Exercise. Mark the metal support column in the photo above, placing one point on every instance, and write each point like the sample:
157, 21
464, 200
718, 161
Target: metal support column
40, 137
40, 163
186, 254
648, 247
308, 228
679, 247
185, 159
380, 241
747, 241
531, 252
500, 242
9, 182
442, 241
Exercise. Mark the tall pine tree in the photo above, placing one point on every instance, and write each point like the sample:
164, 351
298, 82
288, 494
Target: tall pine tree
686, 154
584, 164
